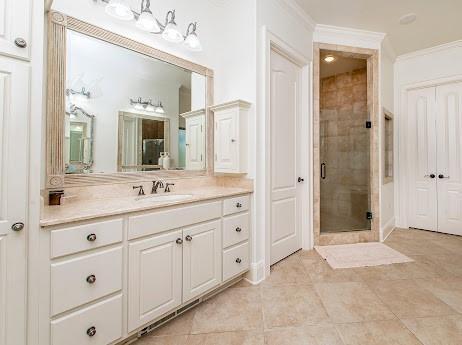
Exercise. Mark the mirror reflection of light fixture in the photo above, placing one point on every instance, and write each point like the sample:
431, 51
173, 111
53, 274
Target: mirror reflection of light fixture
140, 104
329, 58
119, 9
83, 92
146, 21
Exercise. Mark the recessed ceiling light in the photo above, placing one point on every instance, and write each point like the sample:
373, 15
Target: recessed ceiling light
408, 19
329, 58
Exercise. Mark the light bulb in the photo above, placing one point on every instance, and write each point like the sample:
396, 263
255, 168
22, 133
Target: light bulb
119, 9
172, 34
192, 42
147, 22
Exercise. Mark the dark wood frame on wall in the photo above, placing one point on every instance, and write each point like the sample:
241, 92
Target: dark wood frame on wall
58, 24
371, 55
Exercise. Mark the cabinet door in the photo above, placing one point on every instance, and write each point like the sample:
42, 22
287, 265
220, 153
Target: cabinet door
195, 143
15, 19
201, 259
154, 284
14, 108
226, 149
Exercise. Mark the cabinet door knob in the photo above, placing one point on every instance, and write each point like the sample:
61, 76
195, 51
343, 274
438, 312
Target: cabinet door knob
238, 205
238, 229
91, 332
20, 42
179, 241
188, 238
91, 238
17, 226
91, 279
238, 260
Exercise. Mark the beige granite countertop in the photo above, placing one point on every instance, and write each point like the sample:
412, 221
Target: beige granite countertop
80, 210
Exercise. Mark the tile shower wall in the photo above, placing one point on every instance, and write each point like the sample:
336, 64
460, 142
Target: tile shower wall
345, 147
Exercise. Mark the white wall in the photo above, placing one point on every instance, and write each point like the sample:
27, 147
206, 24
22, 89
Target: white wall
433, 64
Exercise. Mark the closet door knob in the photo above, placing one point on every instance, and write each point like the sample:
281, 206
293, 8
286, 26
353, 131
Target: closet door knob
20, 42
238, 260
238, 229
188, 238
91, 279
91, 238
91, 332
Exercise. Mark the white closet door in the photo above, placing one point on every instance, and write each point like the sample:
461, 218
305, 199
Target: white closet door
14, 109
285, 151
449, 144
422, 170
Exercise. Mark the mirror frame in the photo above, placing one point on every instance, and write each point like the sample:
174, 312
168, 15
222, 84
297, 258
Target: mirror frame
58, 24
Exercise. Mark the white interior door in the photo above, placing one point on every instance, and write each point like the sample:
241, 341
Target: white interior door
449, 161
423, 206
195, 143
14, 108
285, 150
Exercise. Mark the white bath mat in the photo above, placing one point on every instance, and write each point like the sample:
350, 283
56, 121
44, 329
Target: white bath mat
361, 255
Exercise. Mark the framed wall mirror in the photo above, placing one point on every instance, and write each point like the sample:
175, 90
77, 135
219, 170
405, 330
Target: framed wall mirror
121, 110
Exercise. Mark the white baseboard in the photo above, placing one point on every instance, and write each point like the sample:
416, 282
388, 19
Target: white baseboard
257, 273
387, 229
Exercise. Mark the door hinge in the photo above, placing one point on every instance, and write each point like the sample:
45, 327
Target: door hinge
368, 124
369, 215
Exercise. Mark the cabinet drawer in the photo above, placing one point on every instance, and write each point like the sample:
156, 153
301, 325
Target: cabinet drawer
71, 281
156, 222
104, 319
236, 205
85, 237
235, 261
235, 229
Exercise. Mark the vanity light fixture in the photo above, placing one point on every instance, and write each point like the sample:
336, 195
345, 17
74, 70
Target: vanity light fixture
145, 20
83, 92
329, 58
140, 104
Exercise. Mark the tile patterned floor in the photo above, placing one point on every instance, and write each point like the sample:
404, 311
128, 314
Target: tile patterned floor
305, 302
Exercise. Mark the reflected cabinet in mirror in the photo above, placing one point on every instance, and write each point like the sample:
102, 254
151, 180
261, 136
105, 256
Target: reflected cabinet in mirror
118, 109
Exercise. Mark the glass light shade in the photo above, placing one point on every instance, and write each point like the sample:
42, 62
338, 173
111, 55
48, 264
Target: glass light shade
160, 110
119, 9
147, 22
172, 34
192, 42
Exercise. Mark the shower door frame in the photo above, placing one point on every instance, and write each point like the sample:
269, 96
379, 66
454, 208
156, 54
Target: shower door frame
373, 235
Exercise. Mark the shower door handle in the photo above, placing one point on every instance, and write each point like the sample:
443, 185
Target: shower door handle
323, 171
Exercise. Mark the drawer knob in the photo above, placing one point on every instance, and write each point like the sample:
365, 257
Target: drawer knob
91, 279
238, 229
20, 42
238, 205
91, 238
188, 238
179, 241
238, 260
91, 332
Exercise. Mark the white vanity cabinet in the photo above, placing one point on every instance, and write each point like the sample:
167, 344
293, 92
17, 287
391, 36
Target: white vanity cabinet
110, 278
15, 28
195, 139
230, 137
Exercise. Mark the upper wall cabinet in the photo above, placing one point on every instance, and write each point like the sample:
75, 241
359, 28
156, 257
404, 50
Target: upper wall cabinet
231, 142
15, 28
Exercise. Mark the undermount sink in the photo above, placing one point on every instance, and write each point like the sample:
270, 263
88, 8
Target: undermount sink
165, 198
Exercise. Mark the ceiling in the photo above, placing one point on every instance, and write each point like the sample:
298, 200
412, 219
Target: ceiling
438, 21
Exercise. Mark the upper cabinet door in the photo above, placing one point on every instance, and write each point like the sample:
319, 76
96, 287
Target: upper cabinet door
202, 251
195, 143
15, 28
154, 272
226, 145
14, 107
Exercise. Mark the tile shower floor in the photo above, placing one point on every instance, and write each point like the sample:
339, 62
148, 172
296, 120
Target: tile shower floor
306, 302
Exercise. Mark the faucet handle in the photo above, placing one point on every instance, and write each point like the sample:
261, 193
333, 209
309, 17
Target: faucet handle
167, 187
141, 190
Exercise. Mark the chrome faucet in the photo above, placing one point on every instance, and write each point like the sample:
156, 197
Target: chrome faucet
167, 187
156, 185
141, 190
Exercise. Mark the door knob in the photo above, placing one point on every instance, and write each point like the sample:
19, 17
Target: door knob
300, 180
17, 226
20, 42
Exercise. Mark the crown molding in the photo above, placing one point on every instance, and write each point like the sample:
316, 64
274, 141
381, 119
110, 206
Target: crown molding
295, 10
431, 50
348, 36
